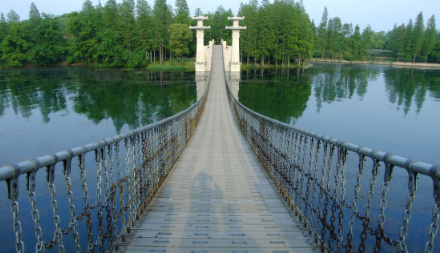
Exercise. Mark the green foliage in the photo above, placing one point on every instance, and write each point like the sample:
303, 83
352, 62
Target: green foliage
280, 32
218, 20
429, 38
16, 45
182, 13
417, 38
48, 44
180, 36
13, 17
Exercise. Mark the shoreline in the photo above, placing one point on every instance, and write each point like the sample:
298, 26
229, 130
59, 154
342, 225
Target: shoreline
392, 64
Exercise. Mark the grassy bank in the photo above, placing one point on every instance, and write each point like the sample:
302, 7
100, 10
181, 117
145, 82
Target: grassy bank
188, 65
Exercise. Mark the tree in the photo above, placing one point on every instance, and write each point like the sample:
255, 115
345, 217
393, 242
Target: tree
396, 40
367, 41
110, 14
429, 38
161, 16
146, 27
407, 43
198, 12
417, 38
13, 17
334, 35
49, 42
356, 43
128, 24
322, 32
182, 13
15, 46
87, 5
180, 36
4, 27
34, 14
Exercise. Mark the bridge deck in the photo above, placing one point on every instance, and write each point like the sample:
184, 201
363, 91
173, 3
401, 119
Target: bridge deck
217, 198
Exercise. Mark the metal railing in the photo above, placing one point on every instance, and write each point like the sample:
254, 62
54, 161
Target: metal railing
128, 170
311, 172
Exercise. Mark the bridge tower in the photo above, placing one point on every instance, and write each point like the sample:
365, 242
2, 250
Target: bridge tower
232, 57
204, 53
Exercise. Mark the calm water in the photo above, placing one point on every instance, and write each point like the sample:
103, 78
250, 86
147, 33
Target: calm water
45, 110
390, 109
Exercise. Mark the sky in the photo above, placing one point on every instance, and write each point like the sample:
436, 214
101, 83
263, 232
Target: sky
380, 14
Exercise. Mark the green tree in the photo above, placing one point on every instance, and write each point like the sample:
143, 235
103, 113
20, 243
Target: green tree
182, 13
417, 38
429, 38
322, 32
110, 15
147, 30
161, 17
396, 40
198, 12
84, 30
87, 5
4, 27
34, 15
180, 36
407, 43
13, 17
334, 36
49, 43
128, 24
15, 46
218, 21
356, 41
367, 41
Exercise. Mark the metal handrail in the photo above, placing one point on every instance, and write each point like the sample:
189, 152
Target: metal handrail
292, 156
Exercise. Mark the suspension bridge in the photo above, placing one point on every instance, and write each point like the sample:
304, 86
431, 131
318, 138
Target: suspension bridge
216, 177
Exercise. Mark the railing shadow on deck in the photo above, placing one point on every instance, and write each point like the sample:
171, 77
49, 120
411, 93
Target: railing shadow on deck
127, 170
310, 171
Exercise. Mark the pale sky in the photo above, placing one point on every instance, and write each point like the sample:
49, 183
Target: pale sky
380, 14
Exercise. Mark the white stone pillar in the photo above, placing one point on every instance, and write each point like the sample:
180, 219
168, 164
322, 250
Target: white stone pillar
200, 52
235, 52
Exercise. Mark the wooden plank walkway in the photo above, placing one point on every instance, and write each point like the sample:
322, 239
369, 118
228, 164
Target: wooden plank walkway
217, 198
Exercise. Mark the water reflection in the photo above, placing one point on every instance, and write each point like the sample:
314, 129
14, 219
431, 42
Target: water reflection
337, 82
279, 94
134, 98
405, 86
284, 94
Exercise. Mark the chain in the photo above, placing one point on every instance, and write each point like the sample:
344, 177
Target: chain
15, 209
72, 210
342, 158
35, 214
433, 228
354, 209
322, 185
99, 154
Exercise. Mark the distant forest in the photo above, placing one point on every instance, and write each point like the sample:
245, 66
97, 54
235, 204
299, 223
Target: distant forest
133, 35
